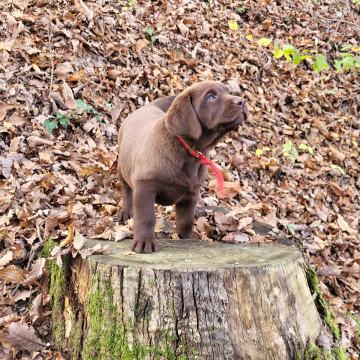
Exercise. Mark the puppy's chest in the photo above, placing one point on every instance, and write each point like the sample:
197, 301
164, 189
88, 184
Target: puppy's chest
193, 173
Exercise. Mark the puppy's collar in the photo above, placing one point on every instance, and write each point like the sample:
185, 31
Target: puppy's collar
206, 161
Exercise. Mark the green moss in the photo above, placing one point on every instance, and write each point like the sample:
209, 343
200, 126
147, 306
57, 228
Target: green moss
57, 292
47, 248
357, 321
107, 335
322, 305
314, 352
340, 353
75, 337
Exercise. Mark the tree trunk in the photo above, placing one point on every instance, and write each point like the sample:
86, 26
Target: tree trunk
189, 300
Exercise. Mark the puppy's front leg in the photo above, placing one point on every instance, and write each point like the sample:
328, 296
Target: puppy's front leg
185, 212
144, 218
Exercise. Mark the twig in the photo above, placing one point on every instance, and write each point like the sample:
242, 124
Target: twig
51, 56
339, 21
343, 15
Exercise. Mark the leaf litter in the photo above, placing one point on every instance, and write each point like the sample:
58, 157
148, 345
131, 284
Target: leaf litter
70, 72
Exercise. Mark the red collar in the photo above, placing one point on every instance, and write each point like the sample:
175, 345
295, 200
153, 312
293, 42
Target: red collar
206, 161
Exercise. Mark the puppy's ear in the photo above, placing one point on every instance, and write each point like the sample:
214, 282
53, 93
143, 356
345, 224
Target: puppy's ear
181, 119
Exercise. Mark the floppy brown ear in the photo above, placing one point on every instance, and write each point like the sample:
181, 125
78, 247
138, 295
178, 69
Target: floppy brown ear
181, 119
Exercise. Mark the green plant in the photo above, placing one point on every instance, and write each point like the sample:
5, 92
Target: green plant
150, 31
357, 321
130, 4
338, 168
320, 63
290, 228
306, 148
233, 25
53, 122
265, 42
290, 53
63, 120
82, 105
290, 151
348, 61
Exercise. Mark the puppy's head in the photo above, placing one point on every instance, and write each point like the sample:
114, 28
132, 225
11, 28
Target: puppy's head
204, 106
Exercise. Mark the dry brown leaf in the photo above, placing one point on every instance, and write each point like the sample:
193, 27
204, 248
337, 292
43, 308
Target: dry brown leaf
241, 238
343, 225
97, 249
12, 274
22, 336
244, 209
321, 126
79, 241
83, 8
141, 44
36, 308
184, 30
226, 223
36, 271
46, 157
55, 219
4, 108
68, 96
36, 141
70, 236
9, 319
22, 295
244, 222
231, 189
6, 258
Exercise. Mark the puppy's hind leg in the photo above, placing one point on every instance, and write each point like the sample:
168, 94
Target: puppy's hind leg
185, 212
126, 211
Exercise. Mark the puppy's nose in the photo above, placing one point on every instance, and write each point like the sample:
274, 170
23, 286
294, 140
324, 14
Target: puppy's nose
239, 101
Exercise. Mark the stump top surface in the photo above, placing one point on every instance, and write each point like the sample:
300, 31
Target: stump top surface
196, 254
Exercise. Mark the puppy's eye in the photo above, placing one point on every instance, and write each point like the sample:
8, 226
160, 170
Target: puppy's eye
210, 97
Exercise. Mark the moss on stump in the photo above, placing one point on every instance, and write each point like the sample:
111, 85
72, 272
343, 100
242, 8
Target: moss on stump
189, 300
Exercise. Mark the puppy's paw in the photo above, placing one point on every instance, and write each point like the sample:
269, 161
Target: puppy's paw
144, 246
124, 215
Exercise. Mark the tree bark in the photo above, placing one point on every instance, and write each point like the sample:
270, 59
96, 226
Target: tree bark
189, 300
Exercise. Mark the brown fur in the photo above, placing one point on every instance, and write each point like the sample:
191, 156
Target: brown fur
155, 168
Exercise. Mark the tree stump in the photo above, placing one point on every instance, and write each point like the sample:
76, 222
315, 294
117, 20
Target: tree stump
190, 300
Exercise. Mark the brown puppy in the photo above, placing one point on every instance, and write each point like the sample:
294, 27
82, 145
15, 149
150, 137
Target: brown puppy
154, 167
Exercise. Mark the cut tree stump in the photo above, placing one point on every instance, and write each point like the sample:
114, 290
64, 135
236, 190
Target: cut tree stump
190, 300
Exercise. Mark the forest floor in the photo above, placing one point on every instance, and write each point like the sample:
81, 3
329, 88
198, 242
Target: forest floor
71, 71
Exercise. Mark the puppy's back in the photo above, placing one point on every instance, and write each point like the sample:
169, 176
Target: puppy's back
136, 138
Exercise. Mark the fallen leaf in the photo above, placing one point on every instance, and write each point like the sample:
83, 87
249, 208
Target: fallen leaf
21, 335
70, 236
343, 225
22, 295
231, 189
244, 222
36, 271
241, 238
184, 30
5, 259
12, 274
141, 44
59, 217
68, 96
83, 8
4, 108
36, 308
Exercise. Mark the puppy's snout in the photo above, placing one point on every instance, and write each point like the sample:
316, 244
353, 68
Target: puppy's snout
239, 101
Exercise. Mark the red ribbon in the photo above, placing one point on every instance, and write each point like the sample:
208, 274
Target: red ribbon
206, 161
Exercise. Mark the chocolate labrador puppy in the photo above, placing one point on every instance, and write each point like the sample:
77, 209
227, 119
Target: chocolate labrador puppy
154, 164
